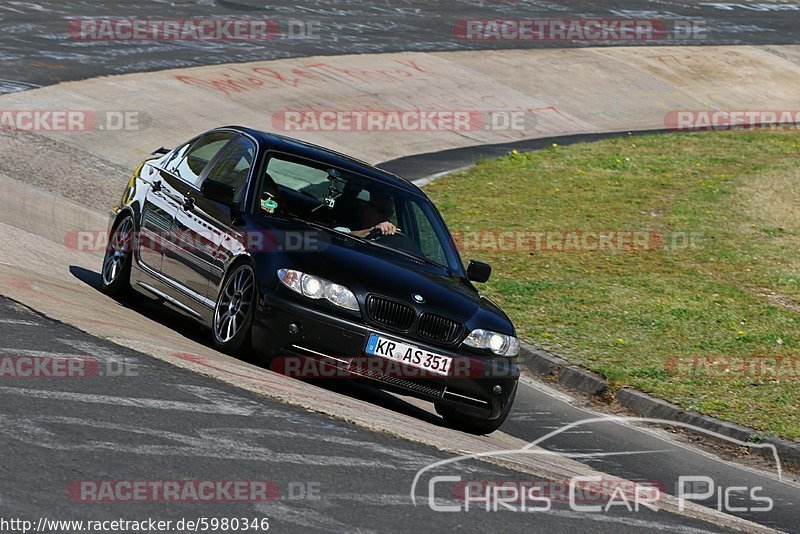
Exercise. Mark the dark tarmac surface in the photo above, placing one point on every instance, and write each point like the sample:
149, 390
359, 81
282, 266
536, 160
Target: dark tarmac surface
37, 49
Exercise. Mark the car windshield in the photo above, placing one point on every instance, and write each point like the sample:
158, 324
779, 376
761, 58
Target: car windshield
352, 203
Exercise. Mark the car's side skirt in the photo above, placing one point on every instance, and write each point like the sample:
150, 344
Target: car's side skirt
175, 302
202, 308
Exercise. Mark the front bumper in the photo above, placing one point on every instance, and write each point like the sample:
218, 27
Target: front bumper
477, 385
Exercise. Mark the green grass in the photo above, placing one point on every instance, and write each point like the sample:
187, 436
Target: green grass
733, 292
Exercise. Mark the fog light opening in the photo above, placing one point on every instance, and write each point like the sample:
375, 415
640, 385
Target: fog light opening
295, 328
497, 390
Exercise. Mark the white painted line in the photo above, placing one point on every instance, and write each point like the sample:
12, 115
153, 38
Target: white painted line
425, 180
10, 351
219, 403
21, 322
98, 352
606, 454
38, 431
547, 390
409, 457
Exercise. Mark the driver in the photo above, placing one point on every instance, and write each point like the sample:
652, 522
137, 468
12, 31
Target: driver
375, 215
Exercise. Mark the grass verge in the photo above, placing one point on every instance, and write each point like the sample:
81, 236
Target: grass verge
669, 263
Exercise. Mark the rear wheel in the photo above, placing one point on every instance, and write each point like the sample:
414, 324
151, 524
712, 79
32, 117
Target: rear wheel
116, 274
473, 425
233, 314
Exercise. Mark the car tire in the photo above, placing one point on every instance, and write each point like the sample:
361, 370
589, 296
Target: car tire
115, 277
474, 425
232, 323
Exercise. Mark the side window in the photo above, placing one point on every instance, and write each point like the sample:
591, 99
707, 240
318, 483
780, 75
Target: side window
233, 168
428, 241
176, 156
199, 154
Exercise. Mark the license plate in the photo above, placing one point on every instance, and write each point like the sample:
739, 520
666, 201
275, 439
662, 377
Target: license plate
408, 355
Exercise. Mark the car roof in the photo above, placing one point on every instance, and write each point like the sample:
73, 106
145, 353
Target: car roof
297, 147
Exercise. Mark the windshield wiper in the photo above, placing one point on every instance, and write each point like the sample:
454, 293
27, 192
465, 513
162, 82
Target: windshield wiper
407, 254
323, 227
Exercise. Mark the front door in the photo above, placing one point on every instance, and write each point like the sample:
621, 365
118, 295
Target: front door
201, 225
186, 245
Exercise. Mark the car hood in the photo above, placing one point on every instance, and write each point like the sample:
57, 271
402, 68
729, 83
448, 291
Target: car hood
368, 269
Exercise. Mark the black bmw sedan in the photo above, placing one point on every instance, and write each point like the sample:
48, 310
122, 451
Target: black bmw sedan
323, 263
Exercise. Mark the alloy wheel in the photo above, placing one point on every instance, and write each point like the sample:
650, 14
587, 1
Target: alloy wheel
119, 247
234, 304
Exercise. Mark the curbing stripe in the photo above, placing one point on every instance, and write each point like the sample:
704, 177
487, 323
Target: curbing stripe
582, 380
548, 365
539, 361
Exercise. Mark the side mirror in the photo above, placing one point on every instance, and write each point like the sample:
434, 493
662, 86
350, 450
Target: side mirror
218, 192
478, 271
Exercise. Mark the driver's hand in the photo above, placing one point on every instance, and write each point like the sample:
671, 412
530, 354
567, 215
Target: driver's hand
386, 228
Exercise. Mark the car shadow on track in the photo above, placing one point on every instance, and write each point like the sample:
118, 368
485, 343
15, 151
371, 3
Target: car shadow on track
366, 393
193, 331
149, 308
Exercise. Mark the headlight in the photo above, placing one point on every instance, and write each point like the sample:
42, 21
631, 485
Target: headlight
500, 344
341, 296
312, 286
317, 288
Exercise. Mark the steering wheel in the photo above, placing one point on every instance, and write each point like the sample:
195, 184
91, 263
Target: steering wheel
376, 234
398, 240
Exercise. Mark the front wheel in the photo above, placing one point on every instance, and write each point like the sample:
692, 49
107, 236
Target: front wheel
233, 314
473, 425
116, 275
